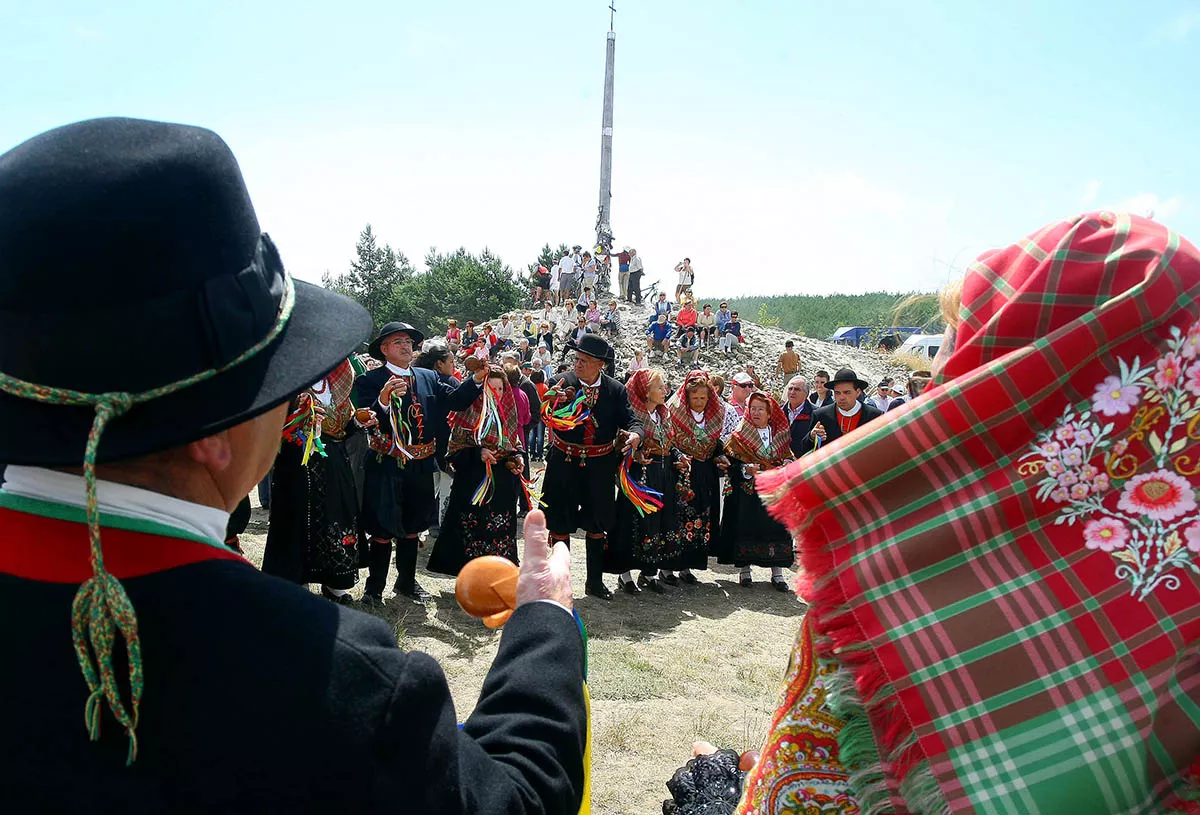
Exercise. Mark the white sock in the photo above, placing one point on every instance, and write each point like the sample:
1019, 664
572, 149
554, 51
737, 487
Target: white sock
776, 572
627, 577
745, 572
336, 592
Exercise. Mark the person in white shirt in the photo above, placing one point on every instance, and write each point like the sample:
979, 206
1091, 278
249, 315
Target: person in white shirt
686, 277
567, 269
555, 284
505, 331
590, 271
636, 270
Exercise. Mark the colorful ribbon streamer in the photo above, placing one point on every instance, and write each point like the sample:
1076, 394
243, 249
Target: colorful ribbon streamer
301, 428
564, 417
483, 493
644, 499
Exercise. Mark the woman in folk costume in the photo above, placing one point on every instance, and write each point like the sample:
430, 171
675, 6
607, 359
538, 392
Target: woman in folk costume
1009, 620
749, 536
697, 417
647, 538
314, 505
486, 452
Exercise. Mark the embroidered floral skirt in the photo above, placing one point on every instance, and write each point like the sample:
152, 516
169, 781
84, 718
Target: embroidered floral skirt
470, 531
749, 535
312, 537
650, 542
698, 512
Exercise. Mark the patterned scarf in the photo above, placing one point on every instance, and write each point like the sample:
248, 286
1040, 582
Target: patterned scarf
340, 411
696, 439
746, 445
463, 423
658, 434
1005, 570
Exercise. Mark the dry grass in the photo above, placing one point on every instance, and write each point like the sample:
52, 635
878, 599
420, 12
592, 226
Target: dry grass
702, 662
912, 360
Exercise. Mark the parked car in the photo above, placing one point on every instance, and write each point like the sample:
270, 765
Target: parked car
870, 336
923, 345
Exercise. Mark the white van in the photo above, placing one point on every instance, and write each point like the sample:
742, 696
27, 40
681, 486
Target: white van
923, 345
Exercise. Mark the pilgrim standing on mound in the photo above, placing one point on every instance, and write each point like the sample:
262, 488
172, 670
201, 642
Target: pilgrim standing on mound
486, 451
581, 467
314, 509
398, 496
197, 683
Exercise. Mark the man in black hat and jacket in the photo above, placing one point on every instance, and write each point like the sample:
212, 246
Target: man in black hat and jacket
848, 411
206, 685
580, 488
399, 501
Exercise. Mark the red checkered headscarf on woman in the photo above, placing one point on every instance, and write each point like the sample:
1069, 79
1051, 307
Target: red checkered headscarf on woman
1004, 574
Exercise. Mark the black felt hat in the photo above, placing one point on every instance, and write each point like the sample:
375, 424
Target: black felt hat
848, 375
388, 330
131, 259
593, 345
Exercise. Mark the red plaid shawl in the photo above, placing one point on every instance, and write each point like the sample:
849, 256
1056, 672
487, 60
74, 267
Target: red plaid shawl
1006, 569
746, 445
462, 423
699, 440
661, 433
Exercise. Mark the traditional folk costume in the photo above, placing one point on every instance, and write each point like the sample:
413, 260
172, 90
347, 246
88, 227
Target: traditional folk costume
399, 501
314, 509
838, 422
698, 489
148, 667
749, 536
643, 539
481, 518
1003, 573
579, 490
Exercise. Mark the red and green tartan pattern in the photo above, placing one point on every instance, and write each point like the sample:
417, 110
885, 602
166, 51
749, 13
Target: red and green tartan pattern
1001, 665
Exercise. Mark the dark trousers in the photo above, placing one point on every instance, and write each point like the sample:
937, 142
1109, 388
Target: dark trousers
380, 557
635, 287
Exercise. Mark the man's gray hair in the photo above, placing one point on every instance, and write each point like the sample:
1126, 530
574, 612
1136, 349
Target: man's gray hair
799, 381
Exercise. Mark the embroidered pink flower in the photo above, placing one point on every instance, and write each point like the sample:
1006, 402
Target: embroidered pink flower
1191, 379
1120, 446
1050, 449
1073, 457
1191, 534
1084, 437
1060, 495
1065, 433
1088, 472
1167, 371
1105, 534
1111, 397
1054, 467
1068, 479
1079, 492
1161, 495
1100, 483
1190, 349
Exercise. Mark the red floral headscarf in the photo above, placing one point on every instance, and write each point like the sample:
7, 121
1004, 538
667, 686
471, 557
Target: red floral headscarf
696, 439
746, 444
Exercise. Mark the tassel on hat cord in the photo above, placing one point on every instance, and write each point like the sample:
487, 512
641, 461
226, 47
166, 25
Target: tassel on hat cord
102, 607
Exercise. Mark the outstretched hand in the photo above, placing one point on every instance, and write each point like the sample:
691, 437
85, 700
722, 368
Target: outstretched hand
545, 571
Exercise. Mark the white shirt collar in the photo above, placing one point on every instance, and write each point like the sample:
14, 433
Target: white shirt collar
595, 384
698, 416
398, 371
118, 499
857, 407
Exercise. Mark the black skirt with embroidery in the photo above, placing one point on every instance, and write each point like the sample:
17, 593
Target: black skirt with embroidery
650, 542
698, 507
470, 531
749, 535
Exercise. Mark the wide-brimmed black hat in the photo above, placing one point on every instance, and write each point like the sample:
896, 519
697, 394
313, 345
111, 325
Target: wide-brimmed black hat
130, 260
593, 345
848, 375
394, 327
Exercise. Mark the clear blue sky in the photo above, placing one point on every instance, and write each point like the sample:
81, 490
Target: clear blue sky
784, 146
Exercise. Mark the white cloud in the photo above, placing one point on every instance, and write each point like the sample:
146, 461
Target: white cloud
1150, 205
1091, 191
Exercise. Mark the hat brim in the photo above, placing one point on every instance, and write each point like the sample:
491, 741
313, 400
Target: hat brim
376, 353
323, 330
861, 384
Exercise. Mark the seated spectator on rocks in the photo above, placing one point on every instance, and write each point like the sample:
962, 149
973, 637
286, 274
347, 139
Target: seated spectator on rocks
723, 318
749, 368
706, 325
524, 350
687, 315
470, 335
546, 336
639, 361
490, 339
572, 338
547, 314
662, 306
732, 333
453, 335
592, 315
543, 355
529, 328
505, 331
610, 320
586, 298
658, 335
689, 346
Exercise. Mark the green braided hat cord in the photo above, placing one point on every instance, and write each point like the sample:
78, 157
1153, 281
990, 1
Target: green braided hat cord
102, 607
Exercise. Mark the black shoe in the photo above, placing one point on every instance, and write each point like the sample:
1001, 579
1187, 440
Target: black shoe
653, 583
341, 600
597, 590
689, 578
372, 600
668, 578
414, 591
628, 586
745, 582
780, 584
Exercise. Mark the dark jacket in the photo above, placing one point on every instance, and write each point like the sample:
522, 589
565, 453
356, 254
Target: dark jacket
261, 697
827, 416
436, 397
801, 425
612, 412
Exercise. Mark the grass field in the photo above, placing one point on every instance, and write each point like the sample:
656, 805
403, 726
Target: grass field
701, 662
